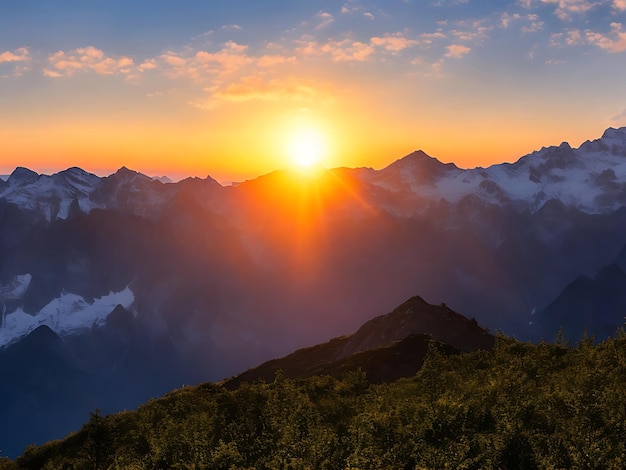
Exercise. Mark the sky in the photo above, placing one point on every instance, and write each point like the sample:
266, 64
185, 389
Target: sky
220, 88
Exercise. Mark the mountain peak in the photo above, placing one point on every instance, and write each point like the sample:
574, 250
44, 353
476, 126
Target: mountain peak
125, 171
613, 133
22, 175
418, 316
387, 347
415, 170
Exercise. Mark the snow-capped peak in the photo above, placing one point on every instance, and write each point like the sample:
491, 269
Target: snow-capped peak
22, 176
615, 134
65, 315
591, 177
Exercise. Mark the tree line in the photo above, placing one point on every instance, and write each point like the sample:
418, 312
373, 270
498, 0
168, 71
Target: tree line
519, 406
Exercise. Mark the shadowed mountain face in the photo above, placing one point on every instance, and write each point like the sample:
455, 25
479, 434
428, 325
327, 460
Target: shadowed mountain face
386, 348
217, 279
593, 305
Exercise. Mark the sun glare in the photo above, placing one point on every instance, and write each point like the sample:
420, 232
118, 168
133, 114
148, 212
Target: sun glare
306, 147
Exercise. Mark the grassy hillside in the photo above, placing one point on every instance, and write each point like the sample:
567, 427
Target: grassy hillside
517, 406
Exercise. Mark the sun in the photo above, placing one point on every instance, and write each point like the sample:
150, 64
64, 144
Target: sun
306, 147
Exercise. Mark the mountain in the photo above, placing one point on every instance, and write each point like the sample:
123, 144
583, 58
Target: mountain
40, 377
592, 304
591, 178
216, 279
386, 347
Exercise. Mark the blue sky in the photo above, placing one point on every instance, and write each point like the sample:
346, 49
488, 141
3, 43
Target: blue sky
197, 87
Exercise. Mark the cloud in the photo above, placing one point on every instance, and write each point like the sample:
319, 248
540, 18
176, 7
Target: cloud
506, 19
252, 88
87, 59
352, 6
427, 38
457, 51
574, 38
393, 42
534, 24
441, 3
231, 27
619, 5
346, 50
615, 41
273, 60
17, 55
149, 64
325, 19
620, 118
472, 30
566, 7
51, 73
369, 16
203, 65
19, 58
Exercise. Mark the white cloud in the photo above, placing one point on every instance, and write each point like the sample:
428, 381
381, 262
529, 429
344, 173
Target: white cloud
368, 15
231, 27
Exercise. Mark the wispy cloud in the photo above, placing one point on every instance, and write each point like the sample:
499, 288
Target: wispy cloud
457, 51
615, 41
325, 19
272, 60
260, 88
565, 8
530, 23
352, 6
394, 43
201, 65
87, 59
472, 30
619, 118
345, 50
231, 27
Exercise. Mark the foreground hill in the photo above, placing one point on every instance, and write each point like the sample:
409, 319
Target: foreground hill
386, 348
517, 406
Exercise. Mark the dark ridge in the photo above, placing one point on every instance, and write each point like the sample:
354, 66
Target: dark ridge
387, 347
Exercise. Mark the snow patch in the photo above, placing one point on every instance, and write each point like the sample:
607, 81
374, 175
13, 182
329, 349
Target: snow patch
16, 287
67, 314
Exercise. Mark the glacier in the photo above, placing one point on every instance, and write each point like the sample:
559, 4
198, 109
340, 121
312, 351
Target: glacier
67, 314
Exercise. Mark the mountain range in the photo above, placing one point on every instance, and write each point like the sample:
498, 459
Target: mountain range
134, 286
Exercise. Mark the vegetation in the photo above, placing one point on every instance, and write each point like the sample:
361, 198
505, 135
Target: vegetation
518, 406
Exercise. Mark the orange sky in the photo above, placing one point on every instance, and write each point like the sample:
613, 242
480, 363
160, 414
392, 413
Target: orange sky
216, 90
